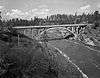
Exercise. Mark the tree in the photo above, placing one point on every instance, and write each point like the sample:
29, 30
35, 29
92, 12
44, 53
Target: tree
0, 21
96, 19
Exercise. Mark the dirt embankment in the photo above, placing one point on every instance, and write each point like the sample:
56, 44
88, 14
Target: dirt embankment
30, 59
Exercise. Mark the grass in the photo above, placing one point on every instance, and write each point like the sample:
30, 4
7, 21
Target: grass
30, 59
85, 58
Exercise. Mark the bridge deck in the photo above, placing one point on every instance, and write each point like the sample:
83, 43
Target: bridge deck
49, 26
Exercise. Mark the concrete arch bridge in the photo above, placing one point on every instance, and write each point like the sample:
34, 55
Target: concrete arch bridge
60, 31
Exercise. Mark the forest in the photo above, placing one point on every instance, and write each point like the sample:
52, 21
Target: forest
58, 19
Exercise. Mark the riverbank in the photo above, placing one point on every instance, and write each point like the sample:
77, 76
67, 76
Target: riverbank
86, 59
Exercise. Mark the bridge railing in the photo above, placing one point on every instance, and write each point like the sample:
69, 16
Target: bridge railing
78, 26
49, 26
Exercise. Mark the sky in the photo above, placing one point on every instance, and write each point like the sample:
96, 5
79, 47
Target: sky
27, 9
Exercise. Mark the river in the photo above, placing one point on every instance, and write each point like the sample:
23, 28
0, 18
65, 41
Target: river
85, 58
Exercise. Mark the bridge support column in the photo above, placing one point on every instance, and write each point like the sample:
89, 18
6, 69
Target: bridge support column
73, 29
24, 31
32, 33
18, 39
77, 31
68, 28
37, 32
45, 37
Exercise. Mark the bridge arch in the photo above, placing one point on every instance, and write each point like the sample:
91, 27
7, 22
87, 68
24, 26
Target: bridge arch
62, 31
67, 27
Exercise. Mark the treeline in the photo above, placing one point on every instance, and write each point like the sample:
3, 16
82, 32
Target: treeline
57, 19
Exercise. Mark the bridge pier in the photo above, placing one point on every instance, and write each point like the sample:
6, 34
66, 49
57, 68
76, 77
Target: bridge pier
73, 29
37, 32
18, 39
31, 33
24, 31
76, 31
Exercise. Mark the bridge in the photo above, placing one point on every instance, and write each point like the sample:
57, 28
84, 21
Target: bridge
32, 31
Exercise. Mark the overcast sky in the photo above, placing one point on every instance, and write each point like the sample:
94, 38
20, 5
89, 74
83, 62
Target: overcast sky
41, 8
